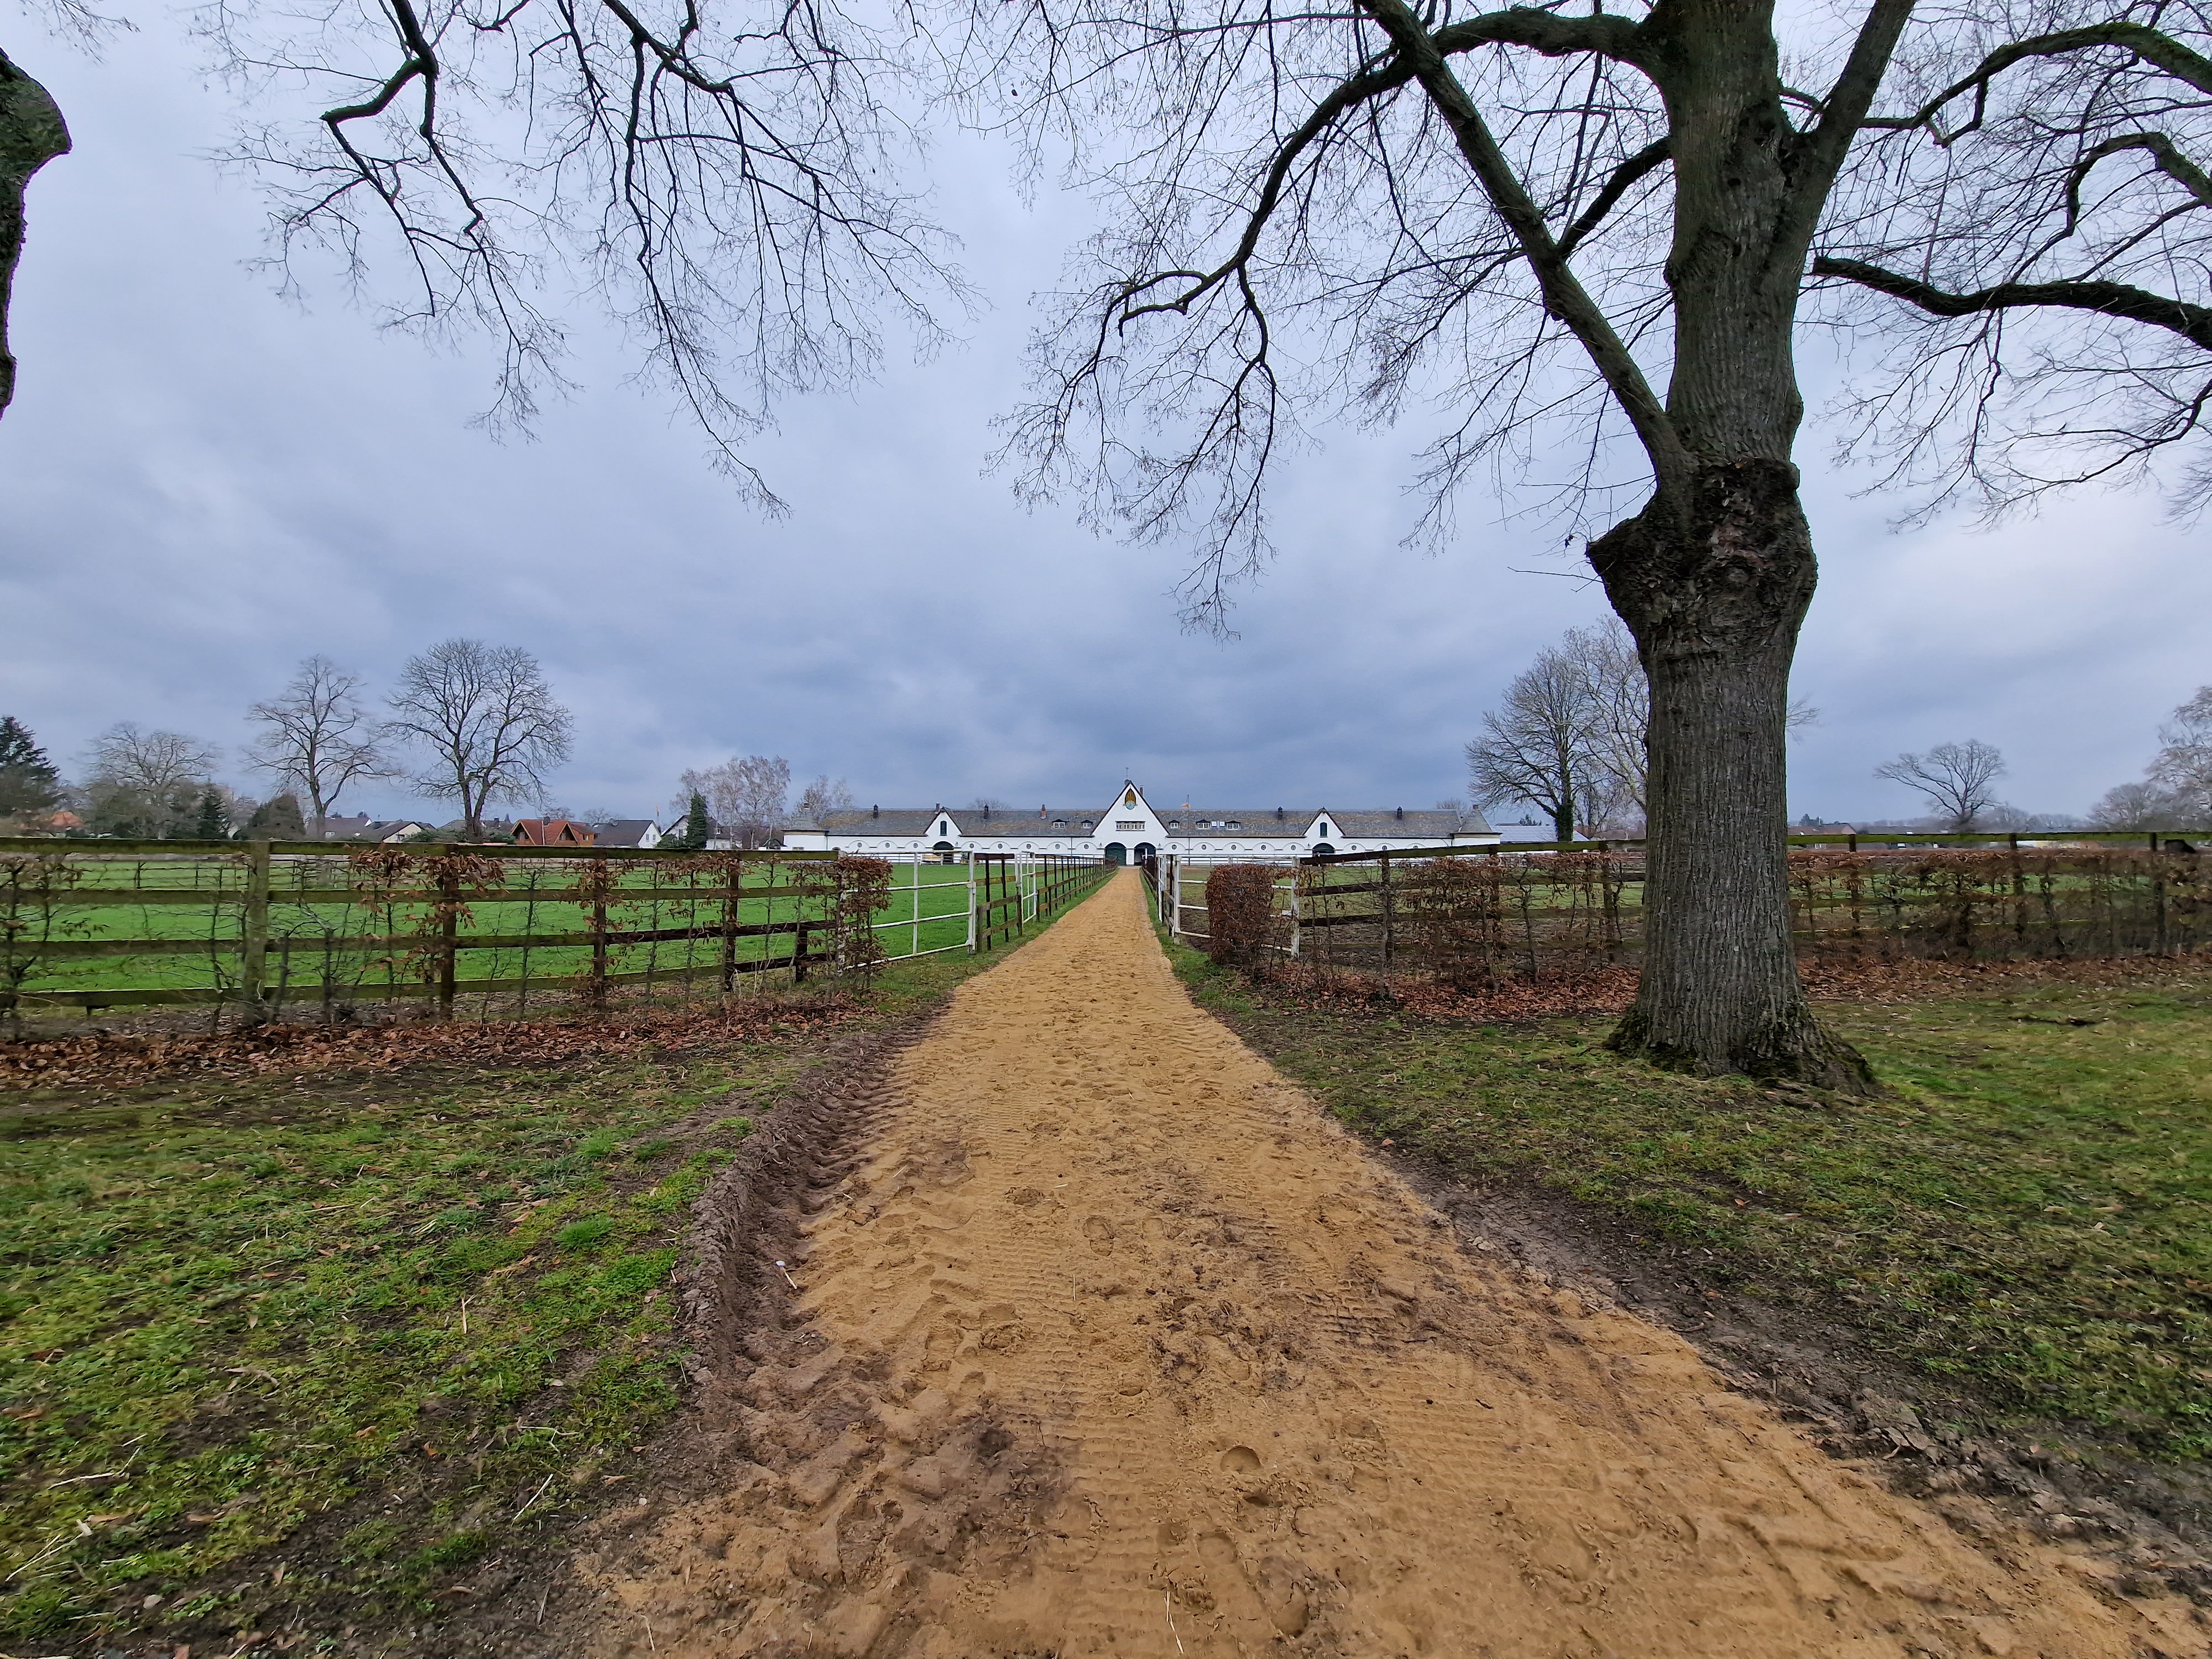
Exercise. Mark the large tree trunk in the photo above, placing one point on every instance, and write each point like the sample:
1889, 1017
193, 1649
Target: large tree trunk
32, 133
1714, 590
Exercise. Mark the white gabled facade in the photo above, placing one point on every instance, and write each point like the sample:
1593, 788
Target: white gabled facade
1131, 829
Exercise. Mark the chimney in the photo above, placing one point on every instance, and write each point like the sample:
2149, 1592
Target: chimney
875, 812
1401, 815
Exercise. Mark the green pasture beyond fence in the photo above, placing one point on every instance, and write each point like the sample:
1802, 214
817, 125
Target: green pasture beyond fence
308, 930
1471, 914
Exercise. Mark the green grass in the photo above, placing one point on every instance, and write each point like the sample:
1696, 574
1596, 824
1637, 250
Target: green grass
349, 1325
2027, 1211
935, 895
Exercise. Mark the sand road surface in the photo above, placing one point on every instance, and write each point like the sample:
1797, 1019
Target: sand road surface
1114, 1344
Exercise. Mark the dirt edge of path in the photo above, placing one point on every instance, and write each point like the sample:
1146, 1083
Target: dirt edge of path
2153, 1520
736, 1303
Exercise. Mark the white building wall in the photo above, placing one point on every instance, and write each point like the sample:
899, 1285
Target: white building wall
1131, 821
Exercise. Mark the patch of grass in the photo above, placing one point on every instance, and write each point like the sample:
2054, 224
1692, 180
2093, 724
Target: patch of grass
296, 1353
2028, 1209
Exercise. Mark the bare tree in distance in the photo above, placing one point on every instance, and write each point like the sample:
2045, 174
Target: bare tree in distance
2176, 790
1958, 779
2143, 805
746, 797
147, 783
2184, 764
1538, 748
1590, 236
317, 737
486, 721
823, 796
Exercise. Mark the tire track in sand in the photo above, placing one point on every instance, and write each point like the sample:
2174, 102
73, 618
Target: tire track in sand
1114, 1344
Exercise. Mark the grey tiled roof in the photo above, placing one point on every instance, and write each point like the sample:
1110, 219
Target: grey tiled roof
1195, 822
620, 832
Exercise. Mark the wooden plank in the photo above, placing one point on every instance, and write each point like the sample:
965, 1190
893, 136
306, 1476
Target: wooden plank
85, 898
83, 846
316, 945
202, 995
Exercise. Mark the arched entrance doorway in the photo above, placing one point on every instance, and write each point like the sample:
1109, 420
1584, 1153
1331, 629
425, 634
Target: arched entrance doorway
943, 851
1117, 853
1322, 849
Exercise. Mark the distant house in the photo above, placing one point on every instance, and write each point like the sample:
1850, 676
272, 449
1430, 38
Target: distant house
641, 833
382, 831
552, 832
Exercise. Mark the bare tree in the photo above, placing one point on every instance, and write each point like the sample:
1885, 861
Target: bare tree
1958, 779
317, 737
2183, 766
823, 796
1591, 234
487, 722
2139, 806
746, 797
728, 178
147, 784
1538, 748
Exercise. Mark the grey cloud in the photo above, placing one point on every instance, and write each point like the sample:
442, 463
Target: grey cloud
205, 484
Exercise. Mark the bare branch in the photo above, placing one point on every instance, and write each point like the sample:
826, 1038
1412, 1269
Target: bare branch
2193, 322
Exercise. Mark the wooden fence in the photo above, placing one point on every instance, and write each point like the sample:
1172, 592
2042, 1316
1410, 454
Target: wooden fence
1476, 914
264, 928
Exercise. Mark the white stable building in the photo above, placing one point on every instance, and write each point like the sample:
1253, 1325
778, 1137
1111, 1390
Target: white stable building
1131, 829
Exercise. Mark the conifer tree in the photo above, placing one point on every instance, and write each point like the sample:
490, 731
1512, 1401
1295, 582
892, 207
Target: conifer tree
28, 781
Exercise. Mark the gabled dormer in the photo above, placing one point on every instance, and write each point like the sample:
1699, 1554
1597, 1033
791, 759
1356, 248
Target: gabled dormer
1324, 827
1130, 820
942, 827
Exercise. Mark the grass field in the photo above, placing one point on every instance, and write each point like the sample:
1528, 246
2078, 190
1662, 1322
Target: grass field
934, 895
2027, 1210
308, 1351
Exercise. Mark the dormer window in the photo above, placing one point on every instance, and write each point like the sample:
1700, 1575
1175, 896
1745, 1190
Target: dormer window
945, 826
1324, 828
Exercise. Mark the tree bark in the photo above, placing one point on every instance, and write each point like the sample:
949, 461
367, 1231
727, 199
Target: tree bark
1714, 590
32, 133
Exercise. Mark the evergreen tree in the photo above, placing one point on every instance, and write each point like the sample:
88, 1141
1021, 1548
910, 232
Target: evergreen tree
213, 823
28, 781
280, 818
696, 826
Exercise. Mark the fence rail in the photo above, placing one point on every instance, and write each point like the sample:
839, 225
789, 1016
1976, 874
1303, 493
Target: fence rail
1475, 916
266, 928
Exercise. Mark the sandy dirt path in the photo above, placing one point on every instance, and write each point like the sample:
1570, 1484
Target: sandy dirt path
1116, 1345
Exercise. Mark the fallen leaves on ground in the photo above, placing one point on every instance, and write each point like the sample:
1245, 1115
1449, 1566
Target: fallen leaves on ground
96, 1061
1609, 989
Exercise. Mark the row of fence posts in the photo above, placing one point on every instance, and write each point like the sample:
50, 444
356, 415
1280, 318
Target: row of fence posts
1006, 892
1619, 867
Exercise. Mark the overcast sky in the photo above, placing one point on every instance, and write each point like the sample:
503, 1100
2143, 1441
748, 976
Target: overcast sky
204, 483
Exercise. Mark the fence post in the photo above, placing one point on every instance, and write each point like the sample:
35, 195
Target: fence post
449, 930
601, 874
799, 954
971, 903
254, 961
731, 902
1389, 913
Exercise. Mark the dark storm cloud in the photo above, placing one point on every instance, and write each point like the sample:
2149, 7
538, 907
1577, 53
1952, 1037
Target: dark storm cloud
205, 484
